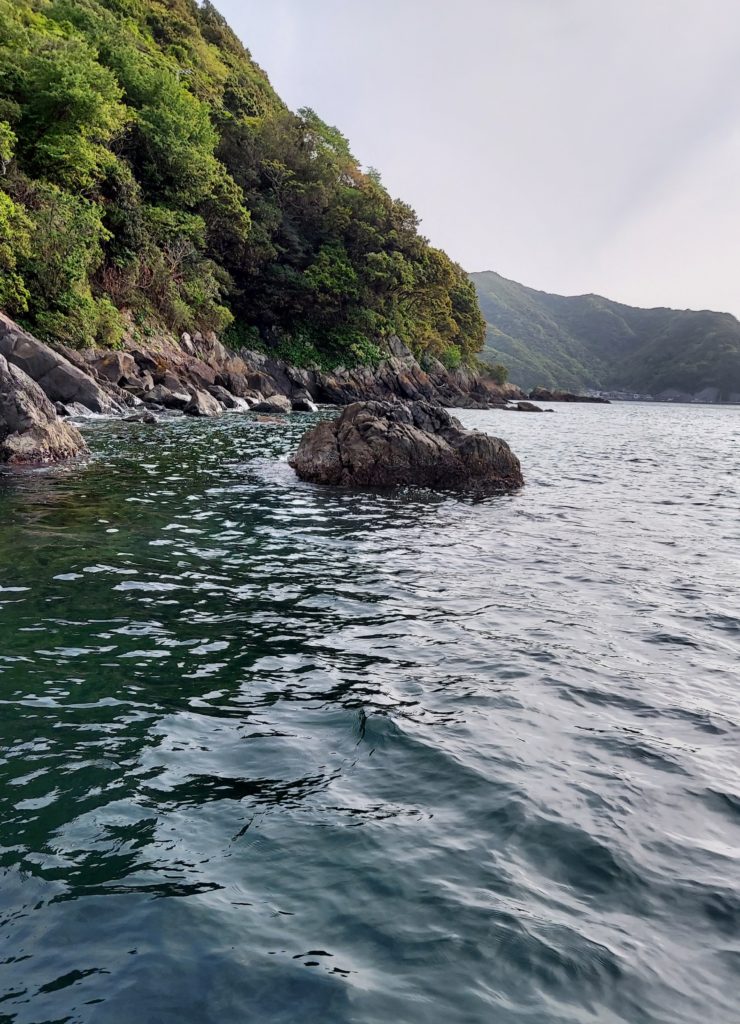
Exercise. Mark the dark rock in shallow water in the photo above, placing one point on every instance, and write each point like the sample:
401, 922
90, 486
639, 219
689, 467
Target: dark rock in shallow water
543, 395
160, 395
524, 407
302, 402
147, 416
275, 403
230, 402
30, 430
387, 444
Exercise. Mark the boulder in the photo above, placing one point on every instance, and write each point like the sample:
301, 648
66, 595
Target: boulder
72, 409
302, 402
387, 444
275, 403
232, 403
30, 430
541, 394
144, 361
524, 407
116, 367
160, 395
57, 377
203, 404
147, 416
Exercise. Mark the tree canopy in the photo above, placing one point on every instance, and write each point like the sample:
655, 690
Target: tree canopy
149, 174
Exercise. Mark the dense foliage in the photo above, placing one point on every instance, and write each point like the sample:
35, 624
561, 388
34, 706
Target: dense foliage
148, 168
588, 341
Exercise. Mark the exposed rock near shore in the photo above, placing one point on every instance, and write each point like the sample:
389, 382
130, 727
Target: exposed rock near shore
57, 377
543, 395
524, 407
30, 430
387, 444
203, 404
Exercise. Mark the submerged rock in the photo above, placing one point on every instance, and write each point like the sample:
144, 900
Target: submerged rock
30, 430
386, 444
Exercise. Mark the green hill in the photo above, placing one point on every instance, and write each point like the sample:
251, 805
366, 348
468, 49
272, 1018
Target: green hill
589, 341
150, 175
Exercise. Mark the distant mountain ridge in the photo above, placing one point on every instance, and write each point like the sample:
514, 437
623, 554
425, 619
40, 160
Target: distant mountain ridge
587, 341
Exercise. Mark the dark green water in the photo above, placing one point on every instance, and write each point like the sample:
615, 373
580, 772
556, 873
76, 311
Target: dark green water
273, 753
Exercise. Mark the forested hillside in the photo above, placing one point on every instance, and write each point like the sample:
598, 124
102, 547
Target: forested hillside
150, 176
589, 341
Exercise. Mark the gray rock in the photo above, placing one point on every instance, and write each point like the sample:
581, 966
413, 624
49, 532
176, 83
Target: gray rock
387, 444
203, 404
145, 382
524, 407
72, 409
232, 403
144, 361
147, 416
275, 403
186, 344
399, 350
160, 395
302, 402
30, 430
55, 375
116, 367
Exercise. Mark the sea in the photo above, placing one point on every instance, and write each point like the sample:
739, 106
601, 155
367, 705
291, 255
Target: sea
279, 753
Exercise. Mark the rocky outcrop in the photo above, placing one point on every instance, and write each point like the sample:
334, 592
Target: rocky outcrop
57, 377
543, 395
387, 444
524, 407
203, 404
302, 402
229, 401
276, 403
30, 430
161, 395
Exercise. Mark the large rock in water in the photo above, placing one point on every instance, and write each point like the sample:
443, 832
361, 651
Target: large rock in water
57, 377
386, 444
30, 430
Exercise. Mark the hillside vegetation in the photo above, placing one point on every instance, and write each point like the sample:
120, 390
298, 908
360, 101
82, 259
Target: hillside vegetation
589, 341
150, 174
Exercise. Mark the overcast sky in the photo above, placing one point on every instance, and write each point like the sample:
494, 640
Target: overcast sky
573, 145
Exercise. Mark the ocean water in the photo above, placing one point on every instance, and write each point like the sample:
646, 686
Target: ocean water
276, 753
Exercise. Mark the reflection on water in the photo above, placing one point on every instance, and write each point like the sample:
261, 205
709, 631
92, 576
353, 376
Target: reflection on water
271, 752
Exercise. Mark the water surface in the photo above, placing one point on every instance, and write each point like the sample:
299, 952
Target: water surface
276, 753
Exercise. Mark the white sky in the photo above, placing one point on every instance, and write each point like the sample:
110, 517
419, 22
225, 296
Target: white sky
573, 145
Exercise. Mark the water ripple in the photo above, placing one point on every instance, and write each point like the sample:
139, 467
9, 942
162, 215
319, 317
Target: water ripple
275, 753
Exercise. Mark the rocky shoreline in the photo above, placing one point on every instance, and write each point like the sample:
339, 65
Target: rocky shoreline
199, 376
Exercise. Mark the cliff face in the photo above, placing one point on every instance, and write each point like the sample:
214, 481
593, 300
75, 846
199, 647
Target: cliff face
589, 341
